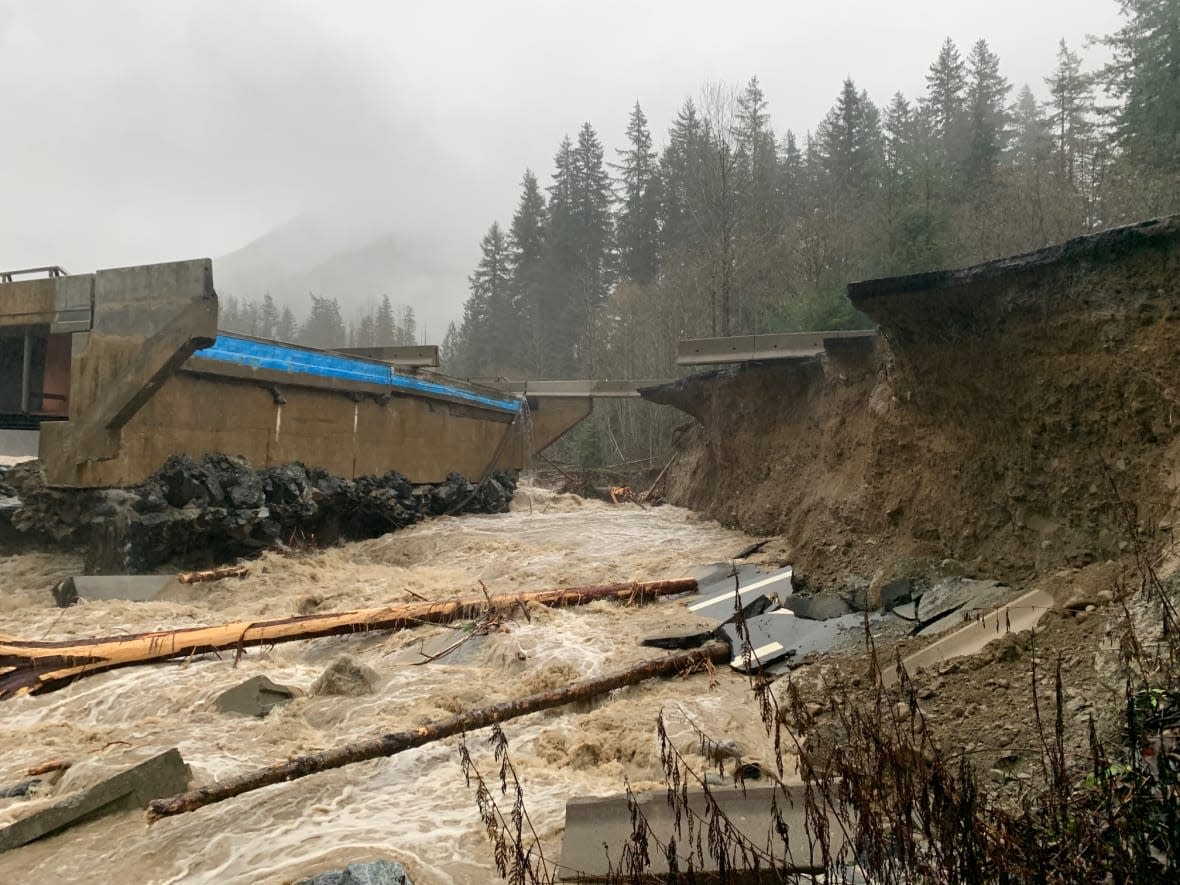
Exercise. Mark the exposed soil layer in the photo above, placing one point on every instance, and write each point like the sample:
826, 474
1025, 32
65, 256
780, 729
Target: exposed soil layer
1015, 418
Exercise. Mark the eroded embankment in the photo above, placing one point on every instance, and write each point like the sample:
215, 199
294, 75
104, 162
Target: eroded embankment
1001, 418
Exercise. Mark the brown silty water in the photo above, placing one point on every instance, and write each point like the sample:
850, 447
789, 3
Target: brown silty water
415, 807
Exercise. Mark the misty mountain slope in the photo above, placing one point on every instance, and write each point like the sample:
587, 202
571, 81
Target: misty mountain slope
312, 255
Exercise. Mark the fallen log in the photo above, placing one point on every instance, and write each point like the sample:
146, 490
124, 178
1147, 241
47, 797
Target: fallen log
214, 574
37, 666
397, 742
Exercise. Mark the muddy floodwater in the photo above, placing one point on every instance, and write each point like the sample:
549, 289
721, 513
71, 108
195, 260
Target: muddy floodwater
413, 808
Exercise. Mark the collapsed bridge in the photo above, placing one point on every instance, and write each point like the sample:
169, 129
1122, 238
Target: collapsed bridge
121, 369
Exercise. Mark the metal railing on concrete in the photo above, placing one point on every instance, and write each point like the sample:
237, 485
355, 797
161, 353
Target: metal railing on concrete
51, 270
567, 389
413, 356
745, 348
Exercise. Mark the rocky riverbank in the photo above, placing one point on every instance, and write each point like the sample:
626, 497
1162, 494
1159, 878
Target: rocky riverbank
207, 510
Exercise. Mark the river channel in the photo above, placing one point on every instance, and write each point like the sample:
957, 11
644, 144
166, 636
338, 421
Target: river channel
413, 808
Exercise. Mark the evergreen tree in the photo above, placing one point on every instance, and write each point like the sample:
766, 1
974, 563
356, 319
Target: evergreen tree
526, 248
488, 318
384, 328
268, 317
1071, 109
679, 174
578, 248
639, 215
450, 352
1144, 76
849, 144
366, 330
946, 83
593, 199
987, 95
324, 327
791, 177
757, 164
407, 331
286, 328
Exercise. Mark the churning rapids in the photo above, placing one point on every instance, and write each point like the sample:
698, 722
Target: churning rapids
414, 808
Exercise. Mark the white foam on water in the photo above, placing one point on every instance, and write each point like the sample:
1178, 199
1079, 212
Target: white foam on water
415, 807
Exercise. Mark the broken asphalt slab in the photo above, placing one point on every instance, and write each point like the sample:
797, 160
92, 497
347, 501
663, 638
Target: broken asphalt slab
758, 591
254, 697
779, 635
597, 831
817, 608
948, 603
132, 788
134, 588
1022, 613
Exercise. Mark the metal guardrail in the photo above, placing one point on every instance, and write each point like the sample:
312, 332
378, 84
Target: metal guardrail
51, 270
744, 348
411, 356
569, 389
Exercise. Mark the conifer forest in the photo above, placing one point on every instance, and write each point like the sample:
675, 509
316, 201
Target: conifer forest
728, 225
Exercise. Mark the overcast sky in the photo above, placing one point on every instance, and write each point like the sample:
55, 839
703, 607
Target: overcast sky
133, 132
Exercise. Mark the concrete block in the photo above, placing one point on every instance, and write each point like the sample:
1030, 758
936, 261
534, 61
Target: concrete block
596, 830
254, 697
1020, 614
947, 604
817, 608
135, 588
133, 788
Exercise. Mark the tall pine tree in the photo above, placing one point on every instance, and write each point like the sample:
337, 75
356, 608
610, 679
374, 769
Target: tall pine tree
987, 95
639, 213
1144, 76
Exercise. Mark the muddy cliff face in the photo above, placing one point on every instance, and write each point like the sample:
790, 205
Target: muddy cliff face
1005, 417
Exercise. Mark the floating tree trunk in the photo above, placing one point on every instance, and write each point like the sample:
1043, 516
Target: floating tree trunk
33, 666
399, 741
214, 574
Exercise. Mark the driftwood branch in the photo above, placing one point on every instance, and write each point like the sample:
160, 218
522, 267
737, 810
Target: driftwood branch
397, 742
214, 574
36, 666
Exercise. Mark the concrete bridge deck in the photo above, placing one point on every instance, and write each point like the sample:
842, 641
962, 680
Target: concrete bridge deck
749, 348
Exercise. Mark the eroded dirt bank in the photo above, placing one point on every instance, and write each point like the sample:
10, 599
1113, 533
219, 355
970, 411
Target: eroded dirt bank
999, 419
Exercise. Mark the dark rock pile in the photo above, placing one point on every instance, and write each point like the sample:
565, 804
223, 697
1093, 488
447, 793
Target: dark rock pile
218, 507
6, 491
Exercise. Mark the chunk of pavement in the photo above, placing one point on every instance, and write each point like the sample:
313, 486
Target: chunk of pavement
346, 678
715, 572
907, 611
896, 592
374, 872
950, 602
817, 608
757, 590
254, 697
771, 638
778, 636
859, 593
134, 588
133, 788
599, 830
